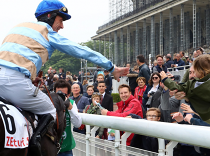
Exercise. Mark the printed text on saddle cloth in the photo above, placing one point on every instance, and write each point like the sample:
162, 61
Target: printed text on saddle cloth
15, 126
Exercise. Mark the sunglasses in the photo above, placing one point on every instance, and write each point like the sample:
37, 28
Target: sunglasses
155, 78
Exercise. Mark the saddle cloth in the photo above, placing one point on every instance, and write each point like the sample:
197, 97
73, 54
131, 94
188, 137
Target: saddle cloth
16, 127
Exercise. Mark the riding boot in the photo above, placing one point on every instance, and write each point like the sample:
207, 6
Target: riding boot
45, 123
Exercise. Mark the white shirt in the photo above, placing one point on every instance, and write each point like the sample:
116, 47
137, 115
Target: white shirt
76, 120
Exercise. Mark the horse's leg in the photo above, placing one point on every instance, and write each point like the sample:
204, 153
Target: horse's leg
7, 151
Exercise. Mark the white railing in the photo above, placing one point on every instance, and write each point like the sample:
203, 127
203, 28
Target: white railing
188, 134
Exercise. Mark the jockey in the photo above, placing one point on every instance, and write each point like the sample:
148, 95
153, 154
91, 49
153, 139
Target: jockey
27, 47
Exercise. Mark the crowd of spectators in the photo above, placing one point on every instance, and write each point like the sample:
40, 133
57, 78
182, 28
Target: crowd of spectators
152, 94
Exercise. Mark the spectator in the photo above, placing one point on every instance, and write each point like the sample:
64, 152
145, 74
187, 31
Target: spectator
81, 102
128, 105
99, 70
69, 79
189, 75
150, 92
56, 75
100, 77
68, 73
154, 64
129, 66
200, 51
139, 91
84, 87
106, 99
50, 78
146, 142
132, 76
62, 75
195, 55
80, 77
144, 70
187, 60
108, 81
94, 109
160, 67
52, 85
90, 91
197, 90
72, 116
79, 83
174, 57
178, 62
169, 62
183, 57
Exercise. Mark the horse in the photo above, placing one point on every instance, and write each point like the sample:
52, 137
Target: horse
48, 147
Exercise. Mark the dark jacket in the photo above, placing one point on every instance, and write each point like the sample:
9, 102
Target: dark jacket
108, 82
180, 63
144, 71
144, 142
95, 85
132, 76
169, 63
82, 102
159, 69
107, 102
63, 76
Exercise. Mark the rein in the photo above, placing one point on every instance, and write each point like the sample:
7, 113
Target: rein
53, 105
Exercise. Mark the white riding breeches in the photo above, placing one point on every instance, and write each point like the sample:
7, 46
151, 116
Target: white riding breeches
19, 90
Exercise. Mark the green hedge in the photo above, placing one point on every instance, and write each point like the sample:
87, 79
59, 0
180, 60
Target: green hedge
116, 97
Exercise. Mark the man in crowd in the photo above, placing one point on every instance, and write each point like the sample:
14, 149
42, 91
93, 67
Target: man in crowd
179, 62
81, 102
169, 62
62, 75
160, 67
106, 99
79, 83
132, 76
183, 57
144, 70
108, 81
200, 51
127, 105
72, 116
195, 55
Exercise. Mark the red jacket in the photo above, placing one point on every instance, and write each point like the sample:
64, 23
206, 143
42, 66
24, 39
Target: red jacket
132, 105
139, 93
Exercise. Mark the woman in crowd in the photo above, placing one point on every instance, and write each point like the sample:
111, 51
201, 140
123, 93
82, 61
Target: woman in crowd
152, 88
139, 90
84, 86
90, 91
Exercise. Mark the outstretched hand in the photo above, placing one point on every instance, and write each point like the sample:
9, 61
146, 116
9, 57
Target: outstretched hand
36, 81
186, 108
178, 117
120, 71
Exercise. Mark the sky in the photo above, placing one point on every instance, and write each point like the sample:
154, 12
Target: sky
86, 17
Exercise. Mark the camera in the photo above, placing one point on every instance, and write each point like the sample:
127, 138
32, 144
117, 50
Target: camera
151, 93
62, 95
176, 78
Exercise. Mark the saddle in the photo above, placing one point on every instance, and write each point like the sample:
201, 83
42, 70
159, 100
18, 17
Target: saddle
28, 115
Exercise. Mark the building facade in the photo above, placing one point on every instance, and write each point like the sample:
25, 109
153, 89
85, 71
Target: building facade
154, 27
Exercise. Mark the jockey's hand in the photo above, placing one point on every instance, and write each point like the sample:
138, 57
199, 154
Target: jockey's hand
36, 81
70, 106
120, 71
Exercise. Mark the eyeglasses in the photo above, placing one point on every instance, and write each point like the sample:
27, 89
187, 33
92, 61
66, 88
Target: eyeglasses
151, 116
155, 78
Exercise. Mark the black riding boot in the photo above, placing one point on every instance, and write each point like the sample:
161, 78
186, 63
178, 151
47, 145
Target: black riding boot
45, 123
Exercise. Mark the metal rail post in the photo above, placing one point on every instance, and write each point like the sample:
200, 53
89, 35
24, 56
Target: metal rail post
117, 142
170, 147
124, 139
87, 140
161, 150
93, 132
